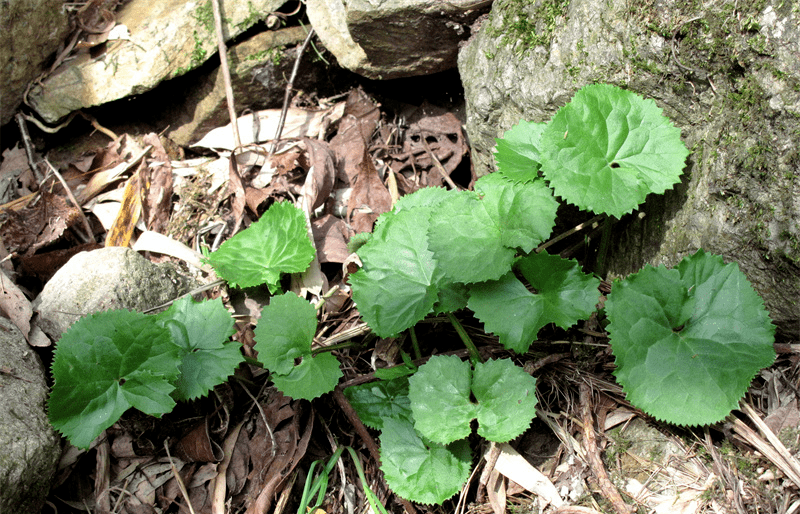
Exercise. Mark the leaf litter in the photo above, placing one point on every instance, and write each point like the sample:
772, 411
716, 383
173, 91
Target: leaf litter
342, 163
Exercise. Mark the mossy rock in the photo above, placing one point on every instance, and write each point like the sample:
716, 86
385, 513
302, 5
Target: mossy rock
726, 75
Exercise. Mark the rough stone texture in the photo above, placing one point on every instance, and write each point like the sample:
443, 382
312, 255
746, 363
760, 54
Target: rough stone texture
385, 39
727, 74
31, 447
108, 278
260, 68
168, 38
31, 32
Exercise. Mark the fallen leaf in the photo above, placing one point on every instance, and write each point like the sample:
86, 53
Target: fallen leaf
157, 201
130, 211
299, 123
15, 305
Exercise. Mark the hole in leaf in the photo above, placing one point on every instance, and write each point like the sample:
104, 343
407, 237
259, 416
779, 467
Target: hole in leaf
678, 329
614, 165
121, 381
298, 361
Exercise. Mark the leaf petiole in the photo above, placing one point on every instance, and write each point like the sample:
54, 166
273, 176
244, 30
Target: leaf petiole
474, 354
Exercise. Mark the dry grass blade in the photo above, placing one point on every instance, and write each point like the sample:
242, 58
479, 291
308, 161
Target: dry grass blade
772, 448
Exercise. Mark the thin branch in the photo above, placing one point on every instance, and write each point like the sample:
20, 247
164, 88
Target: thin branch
288, 93
226, 73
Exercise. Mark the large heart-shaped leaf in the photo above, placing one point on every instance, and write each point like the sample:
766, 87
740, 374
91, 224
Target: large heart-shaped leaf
608, 148
689, 340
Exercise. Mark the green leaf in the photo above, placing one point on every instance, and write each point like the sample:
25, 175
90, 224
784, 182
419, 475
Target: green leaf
439, 394
475, 237
525, 213
105, 364
563, 295
397, 285
310, 379
608, 148
419, 472
202, 330
466, 240
442, 408
506, 398
377, 401
688, 341
284, 334
277, 243
517, 153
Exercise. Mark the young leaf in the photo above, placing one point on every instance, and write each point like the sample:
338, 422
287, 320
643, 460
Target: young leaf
378, 401
310, 379
439, 394
397, 285
202, 330
506, 398
474, 237
105, 364
277, 243
608, 148
442, 408
284, 334
525, 213
688, 341
420, 472
563, 295
517, 153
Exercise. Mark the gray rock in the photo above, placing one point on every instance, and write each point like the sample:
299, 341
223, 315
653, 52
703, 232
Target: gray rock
167, 39
31, 447
727, 75
260, 68
108, 278
32, 31
388, 39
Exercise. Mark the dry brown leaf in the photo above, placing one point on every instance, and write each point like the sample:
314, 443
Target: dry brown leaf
330, 238
130, 211
360, 118
15, 305
157, 205
320, 164
370, 197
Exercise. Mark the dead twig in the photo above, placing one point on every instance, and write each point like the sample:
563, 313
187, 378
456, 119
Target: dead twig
288, 93
26, 141
226, 73
89, 237
607, 488
438, 165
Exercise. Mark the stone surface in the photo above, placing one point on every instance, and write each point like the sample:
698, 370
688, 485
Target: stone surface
167, 39
31, 447
32, 31
387, 39
260, 68
108, 278
727, 75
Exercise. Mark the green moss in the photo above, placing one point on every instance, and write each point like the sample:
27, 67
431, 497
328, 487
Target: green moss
253, 17
524, 28
204, 14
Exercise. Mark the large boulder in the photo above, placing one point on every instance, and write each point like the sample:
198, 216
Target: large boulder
389, 39
260, 68
31, 447
167, 39
728, 76
103, 279
32, 31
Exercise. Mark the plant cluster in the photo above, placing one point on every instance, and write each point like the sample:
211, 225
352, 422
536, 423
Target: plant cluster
687, 341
